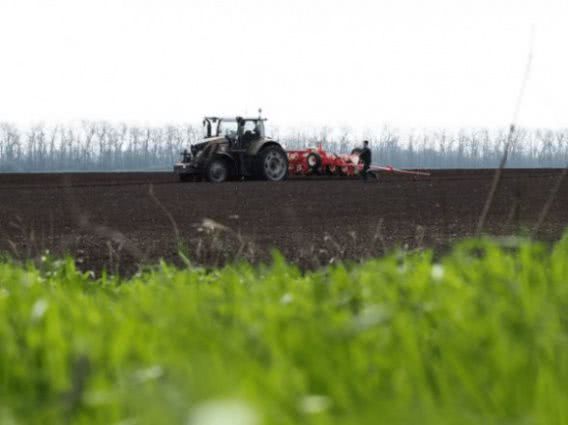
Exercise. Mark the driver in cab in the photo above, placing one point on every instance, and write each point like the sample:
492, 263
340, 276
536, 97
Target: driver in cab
250, 133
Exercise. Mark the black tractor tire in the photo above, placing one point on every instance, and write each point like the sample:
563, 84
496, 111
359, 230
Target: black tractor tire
272, 164
217, 171
314, 162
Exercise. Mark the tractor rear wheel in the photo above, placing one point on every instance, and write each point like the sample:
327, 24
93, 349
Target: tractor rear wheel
272, 164
217, 171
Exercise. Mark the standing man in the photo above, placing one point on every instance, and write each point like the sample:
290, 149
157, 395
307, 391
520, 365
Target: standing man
365, 156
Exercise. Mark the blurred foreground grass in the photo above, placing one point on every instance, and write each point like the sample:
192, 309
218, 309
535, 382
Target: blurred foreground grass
479, 336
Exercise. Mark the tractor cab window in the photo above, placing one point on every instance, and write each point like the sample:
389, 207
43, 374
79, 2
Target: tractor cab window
228, 128
259, 128
250, 126
251, 131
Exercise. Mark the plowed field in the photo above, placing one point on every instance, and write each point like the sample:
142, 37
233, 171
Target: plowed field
120, 220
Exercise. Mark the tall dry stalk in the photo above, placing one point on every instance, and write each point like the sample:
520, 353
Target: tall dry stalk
508, 144
548, 204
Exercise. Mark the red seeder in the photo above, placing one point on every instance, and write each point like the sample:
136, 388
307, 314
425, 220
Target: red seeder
316, 161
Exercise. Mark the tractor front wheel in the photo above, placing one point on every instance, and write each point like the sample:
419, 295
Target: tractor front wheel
217, 171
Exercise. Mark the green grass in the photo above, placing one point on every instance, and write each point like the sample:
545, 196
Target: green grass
478, 337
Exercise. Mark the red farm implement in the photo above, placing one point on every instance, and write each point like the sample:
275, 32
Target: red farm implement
316, 161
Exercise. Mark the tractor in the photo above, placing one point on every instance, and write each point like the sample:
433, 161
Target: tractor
233, 148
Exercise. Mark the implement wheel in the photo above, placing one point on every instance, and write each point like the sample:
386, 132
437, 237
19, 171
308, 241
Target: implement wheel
314, 162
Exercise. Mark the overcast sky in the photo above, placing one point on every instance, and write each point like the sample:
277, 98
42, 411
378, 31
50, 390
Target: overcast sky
339, 62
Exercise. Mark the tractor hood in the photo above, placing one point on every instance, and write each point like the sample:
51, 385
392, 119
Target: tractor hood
201, 145
218, 139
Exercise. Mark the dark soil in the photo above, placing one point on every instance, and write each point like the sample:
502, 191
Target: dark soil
113, 221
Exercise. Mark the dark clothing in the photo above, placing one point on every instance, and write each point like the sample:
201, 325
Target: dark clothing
365, 172
365, 156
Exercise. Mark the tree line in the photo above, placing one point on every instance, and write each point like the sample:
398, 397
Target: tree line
102, 146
